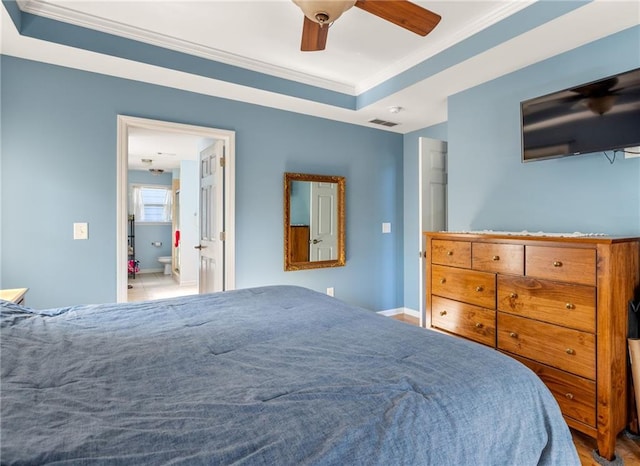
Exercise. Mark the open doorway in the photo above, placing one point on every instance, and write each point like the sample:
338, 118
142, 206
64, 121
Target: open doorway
170, 254
432, 201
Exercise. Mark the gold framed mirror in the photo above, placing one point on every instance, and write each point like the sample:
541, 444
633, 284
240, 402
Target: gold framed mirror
314, 221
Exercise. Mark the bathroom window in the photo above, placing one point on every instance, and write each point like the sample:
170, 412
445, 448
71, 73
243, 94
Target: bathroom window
151, 204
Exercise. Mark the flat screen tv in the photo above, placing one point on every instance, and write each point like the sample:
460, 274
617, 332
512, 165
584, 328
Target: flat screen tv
594, 117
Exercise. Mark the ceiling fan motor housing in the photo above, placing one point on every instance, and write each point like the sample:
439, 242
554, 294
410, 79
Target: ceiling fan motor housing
324, 12
318, 13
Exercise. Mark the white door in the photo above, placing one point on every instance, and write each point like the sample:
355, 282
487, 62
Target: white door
211, 244
323, 235
433, 197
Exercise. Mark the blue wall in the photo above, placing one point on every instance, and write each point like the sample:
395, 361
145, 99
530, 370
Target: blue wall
59, 167
67, 174
489, 188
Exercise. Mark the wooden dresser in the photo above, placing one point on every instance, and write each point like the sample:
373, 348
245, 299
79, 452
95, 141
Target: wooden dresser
557, 304
299, 243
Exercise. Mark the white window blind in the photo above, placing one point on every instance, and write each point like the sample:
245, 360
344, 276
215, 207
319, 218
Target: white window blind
151, 204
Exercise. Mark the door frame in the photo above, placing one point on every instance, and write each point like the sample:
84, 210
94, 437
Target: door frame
125, 122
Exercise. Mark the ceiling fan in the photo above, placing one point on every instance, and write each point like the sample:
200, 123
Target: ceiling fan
319, 15
599, 97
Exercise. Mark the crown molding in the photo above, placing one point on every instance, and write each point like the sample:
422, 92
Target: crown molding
67, 15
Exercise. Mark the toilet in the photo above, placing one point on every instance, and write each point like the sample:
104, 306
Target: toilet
166, 261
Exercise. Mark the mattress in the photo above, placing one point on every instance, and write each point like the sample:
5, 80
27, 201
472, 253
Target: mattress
277, 375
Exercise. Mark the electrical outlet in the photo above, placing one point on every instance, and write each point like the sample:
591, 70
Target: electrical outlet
386, 227
81, 231
330, 291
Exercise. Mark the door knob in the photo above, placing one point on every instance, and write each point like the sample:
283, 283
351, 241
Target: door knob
199, 246
316, 241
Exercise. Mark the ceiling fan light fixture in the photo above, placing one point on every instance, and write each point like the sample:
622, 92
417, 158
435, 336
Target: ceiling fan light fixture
601, 104
324, 12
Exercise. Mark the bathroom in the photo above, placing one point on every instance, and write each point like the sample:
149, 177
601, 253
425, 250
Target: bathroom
163, 200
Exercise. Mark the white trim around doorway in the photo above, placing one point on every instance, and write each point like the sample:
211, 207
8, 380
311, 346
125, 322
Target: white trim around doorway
229, 137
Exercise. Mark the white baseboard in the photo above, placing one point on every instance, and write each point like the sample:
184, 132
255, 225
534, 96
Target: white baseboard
156, 270
400, 310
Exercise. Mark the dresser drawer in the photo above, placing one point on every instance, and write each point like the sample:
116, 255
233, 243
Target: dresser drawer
575, 395
499, 258
559, 303
453, 253
470, 286
563, 264
567, 349
473, 322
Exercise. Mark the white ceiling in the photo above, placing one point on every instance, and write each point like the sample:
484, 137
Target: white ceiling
362, 50
164, 149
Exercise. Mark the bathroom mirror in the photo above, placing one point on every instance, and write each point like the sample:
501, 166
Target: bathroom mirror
314, 219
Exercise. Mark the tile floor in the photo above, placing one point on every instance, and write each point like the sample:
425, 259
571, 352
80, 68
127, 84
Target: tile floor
148, 286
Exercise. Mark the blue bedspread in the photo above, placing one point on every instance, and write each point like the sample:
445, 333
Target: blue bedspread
264, 376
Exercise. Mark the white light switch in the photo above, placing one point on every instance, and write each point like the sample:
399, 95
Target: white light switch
80, 231
386, 227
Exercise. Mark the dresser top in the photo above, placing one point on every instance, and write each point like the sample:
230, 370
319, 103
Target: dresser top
531, 236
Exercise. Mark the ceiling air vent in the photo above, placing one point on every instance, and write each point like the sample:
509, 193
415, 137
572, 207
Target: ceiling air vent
378, 121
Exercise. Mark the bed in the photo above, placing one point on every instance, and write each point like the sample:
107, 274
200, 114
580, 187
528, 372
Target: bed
277, 375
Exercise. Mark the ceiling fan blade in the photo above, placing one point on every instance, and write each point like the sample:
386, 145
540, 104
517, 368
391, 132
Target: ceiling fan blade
402, 13
597, 88
314, 36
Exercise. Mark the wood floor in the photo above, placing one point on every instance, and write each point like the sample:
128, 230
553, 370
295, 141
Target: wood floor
626, 448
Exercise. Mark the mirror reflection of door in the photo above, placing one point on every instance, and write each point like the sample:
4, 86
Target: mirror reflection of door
324, 218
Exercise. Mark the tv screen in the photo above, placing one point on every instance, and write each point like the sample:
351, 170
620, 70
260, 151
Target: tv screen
598, 116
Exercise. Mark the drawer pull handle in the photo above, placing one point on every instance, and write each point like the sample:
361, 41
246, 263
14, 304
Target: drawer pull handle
449, 253
479, 325
443, 280
557, 264
569, 396
570, 306
513, 295
513, 335
443, 313
479, 288
570, 351
496, 258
